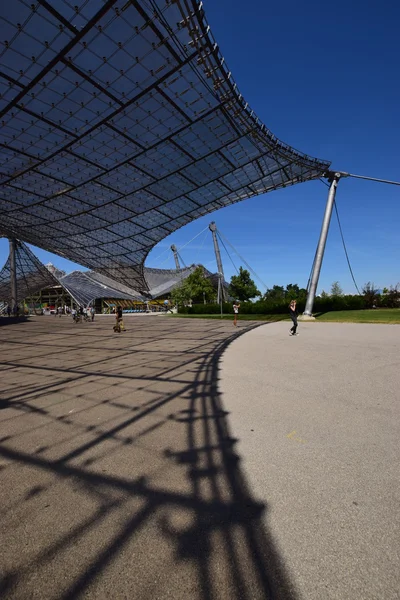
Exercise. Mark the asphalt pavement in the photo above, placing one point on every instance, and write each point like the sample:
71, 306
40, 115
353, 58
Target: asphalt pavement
192, 460
118, 474
317, 417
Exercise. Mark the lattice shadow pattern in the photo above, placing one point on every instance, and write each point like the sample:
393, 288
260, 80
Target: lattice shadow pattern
121, 123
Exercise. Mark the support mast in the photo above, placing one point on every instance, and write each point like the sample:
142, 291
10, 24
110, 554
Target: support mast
176, 257
221, 290
13, 274
334, 179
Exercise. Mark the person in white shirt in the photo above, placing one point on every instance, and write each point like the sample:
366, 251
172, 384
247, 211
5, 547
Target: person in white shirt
236, 307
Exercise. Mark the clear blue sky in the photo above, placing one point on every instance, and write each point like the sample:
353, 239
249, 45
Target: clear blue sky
324, 78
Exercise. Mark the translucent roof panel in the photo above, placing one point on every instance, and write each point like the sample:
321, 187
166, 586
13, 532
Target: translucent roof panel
121, 123
163, 281
32, 276
85, 287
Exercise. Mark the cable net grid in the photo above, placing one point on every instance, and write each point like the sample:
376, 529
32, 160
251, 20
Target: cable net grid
32, 276
121, 123
83, 286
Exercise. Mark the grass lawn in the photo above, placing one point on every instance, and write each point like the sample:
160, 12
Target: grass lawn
377, 315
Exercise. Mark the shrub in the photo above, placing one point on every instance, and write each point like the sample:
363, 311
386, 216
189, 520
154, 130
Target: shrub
391, 299
339, 303
279, 307
371, 295
207, 309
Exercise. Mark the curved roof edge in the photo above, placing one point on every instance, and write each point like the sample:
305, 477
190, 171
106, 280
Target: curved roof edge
150, 148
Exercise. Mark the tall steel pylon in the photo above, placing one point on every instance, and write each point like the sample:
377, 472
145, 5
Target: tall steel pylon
221, 290
333, 179
176, 256
13, 274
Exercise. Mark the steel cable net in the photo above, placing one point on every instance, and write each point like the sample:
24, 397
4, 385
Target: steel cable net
85, 287
120, 124
32, 276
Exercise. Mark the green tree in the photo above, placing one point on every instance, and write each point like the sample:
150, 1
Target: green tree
371, 295
181, 295
294, 292
336, 290
291, 292
392, 298
324, 294
292, 289
275, 293
196, 287
242, 286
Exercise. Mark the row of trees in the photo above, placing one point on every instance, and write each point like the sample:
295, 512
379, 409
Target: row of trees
280, 293
198, 288
373, 297
387, 298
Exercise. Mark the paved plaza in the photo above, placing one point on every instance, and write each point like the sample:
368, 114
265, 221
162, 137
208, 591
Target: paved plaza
317, 418
187, 459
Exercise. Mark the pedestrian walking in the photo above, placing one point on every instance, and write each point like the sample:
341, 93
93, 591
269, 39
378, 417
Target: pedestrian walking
236, 307
119, 323
9, 310
92, 313
293, 316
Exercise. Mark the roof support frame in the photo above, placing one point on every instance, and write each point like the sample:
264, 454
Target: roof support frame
111, 169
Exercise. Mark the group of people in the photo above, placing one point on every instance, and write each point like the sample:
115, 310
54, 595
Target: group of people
56, 311
88, 314
292, 313
13, 311
82, 313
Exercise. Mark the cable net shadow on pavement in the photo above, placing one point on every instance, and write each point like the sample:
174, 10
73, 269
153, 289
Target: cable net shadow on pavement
120, 477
